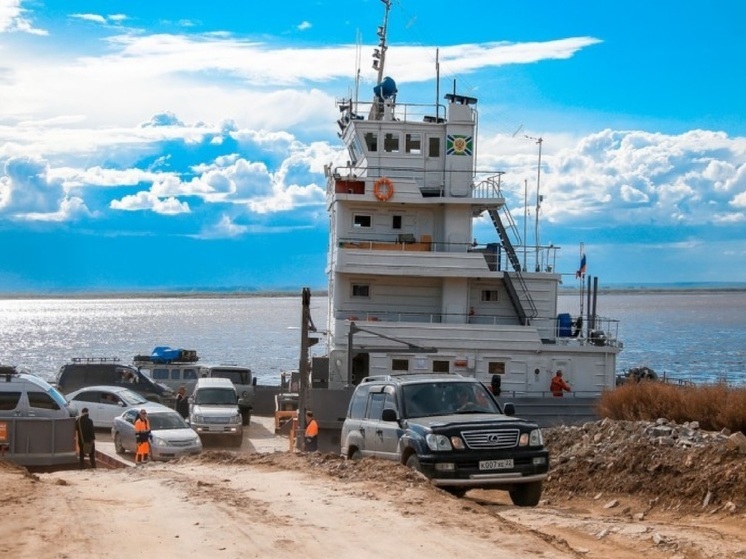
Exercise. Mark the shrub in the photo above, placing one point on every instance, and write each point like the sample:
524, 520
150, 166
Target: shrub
714, 406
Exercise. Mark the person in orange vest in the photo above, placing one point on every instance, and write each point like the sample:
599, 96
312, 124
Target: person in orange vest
142, 437
312, 433
558, 384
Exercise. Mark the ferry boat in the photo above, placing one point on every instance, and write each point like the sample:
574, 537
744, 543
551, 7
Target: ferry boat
410, 290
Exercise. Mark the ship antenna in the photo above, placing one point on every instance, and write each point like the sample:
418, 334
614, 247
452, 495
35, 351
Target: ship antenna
379, 54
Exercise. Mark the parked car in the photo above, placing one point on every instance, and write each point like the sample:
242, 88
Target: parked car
214, 409
451, 429
104, 403
172, 436
92, 371
26, 395
244, 381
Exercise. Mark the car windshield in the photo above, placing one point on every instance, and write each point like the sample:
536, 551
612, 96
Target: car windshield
236, 376
160, 421
445, 398
131, 398
215, 397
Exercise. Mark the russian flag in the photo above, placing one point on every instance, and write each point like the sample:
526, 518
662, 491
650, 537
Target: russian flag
581, 271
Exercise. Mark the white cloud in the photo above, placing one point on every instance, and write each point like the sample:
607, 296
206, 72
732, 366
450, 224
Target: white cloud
304, 25
224, 228
12, 19
149, 201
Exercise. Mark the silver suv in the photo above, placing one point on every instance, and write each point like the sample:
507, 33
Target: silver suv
214, 409
451, 429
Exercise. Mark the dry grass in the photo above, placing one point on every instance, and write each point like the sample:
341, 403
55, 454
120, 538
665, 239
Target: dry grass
714, 406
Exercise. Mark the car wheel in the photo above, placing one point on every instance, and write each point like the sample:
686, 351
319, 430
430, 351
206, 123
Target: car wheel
118, 447
456, 491
356, 455
526, 494
414, 463
238, 441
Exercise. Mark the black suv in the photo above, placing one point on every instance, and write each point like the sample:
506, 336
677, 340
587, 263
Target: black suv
451, 429
92, 371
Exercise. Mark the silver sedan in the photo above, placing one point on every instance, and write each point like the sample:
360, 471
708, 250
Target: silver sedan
104, 403
172, 436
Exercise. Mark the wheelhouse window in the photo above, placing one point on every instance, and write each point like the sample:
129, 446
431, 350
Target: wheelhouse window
490, 295
413, 144
371, 141
391, 142
362, 220
441, 367
496, 368
433, 146
360, 290
400, 364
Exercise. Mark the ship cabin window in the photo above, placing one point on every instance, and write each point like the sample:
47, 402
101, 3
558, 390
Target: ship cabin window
400, 364
490, 295
362, 220
433, 146
413, 144
355, 151
396, 222
360, 290
441, 367
391, 142
371, 141
496, 367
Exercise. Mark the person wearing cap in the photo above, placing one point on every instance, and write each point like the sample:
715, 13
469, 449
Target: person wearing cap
312, 433
142, 437
558, 384
86, 436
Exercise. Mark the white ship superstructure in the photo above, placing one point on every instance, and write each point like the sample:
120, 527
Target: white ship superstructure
409, 288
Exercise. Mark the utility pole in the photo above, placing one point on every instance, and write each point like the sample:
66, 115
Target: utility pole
538, 201
304, 390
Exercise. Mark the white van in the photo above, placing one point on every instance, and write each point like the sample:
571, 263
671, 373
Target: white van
26, 395
214, 409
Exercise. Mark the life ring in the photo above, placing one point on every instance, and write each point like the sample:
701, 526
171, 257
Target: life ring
383, 189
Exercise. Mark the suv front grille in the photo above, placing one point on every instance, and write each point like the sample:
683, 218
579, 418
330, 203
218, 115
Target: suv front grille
491, 438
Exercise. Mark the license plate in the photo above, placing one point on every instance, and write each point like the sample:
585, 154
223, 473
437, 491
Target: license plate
496, 464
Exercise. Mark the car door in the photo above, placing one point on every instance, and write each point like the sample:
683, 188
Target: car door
126, 429
91, 399
382, 437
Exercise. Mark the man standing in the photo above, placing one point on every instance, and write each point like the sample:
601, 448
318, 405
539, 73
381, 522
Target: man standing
558, 384
182, 403
142, 437
86, 438
312, 433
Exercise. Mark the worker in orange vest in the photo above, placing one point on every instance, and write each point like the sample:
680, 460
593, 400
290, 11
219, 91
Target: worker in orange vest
312, 433
142, 437
558, 384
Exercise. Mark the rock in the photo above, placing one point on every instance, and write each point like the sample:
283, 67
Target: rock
708, 497
639, 517
611, 504
737, 441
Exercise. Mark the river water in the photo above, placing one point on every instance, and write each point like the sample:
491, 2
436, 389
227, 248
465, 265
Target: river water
690, 335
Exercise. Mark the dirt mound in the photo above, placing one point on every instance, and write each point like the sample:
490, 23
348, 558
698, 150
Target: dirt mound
669, 465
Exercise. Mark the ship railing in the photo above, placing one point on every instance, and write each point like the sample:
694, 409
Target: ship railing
477, 317
433, 113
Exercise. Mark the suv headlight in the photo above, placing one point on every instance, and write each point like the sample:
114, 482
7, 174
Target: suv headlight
533, 438
198, 419
236, 418
438, 442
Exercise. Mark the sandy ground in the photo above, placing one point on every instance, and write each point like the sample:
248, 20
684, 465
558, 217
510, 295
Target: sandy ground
264, 501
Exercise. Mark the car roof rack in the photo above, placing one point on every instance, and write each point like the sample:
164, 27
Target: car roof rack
95, 359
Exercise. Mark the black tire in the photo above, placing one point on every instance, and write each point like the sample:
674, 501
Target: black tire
414, 463
238, 441
526, 494
118, 447
456, 491
356, 455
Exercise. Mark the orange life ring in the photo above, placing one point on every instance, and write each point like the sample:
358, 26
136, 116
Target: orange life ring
383, 189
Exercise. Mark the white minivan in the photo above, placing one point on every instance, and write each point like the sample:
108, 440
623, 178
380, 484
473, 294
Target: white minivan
26, 395
214, 409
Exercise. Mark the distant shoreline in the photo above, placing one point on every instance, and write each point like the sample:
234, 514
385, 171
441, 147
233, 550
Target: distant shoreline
238, 294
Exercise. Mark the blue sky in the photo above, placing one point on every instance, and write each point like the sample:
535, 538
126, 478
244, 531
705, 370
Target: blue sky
181, 145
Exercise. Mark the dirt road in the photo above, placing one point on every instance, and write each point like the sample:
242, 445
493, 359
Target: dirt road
281, 504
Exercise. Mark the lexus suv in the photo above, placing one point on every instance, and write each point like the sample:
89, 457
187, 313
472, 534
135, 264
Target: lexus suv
451, 429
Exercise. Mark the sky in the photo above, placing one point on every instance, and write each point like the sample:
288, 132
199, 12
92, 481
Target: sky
181, 145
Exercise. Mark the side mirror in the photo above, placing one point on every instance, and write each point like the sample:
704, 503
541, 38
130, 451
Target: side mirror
509, 409
253, 381
120, 404
389, 415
